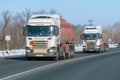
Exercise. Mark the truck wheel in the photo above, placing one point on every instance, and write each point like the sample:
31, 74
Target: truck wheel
57, 57
63, 57
62, 53
68, 55
99, 51
73, 54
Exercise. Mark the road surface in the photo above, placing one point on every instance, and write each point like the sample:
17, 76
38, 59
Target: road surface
86, 66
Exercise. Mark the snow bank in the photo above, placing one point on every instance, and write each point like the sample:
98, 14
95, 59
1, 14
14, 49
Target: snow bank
17, 52
112, 46
78, 48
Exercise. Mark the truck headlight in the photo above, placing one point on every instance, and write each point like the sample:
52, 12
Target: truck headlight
98, 46
52, 50
28, 50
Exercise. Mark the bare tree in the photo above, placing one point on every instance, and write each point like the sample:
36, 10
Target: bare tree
78, 29
5, 22
6, 16
24, 16
113, 32
20, 21
13, 25
52, 11
40, 12
116, 32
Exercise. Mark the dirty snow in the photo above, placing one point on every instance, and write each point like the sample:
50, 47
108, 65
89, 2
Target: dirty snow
16, 52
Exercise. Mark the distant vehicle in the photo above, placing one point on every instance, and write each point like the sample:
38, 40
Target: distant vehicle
118, 45
93, 39
48, 35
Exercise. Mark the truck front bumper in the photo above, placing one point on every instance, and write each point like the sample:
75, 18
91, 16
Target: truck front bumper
91, 49
41, 54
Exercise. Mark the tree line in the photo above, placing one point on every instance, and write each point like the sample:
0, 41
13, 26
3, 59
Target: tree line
12, 24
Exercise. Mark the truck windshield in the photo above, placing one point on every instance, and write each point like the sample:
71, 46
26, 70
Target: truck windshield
39, 30
91, 36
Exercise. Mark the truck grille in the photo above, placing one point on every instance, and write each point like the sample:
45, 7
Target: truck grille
41, 44
91, 45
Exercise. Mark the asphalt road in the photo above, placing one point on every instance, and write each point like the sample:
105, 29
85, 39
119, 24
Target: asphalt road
90, 66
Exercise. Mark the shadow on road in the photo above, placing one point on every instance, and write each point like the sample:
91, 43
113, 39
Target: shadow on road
23, 58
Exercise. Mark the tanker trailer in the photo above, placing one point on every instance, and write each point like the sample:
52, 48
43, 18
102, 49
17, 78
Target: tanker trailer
66, 38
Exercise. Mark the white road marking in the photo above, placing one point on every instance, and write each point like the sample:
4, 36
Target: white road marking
15, 76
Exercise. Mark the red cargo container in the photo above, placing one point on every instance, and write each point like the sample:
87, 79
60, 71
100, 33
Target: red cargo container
66, 33
66, 37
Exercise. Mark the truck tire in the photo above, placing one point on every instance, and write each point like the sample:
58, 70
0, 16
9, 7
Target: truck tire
56, 57
73, 54
68, 55
106, 48
100, 49
64, 56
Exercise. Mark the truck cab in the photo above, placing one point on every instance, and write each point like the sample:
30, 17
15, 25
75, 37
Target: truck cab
92, 39
42, 35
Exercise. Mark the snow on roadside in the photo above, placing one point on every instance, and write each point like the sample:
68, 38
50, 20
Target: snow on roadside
78, 48
16, 52
112, 45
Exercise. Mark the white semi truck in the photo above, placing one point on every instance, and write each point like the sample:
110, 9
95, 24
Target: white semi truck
93, 39
46, 37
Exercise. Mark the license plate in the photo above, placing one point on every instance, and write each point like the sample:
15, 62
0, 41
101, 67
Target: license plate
40, 51
39, 55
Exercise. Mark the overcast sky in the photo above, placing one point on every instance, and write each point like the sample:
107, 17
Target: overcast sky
103, 12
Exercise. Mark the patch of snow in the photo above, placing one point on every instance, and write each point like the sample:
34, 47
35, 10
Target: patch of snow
112, 46
16, 52
78, 48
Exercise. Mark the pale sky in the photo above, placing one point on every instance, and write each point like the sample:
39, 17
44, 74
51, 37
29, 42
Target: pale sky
103, 12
